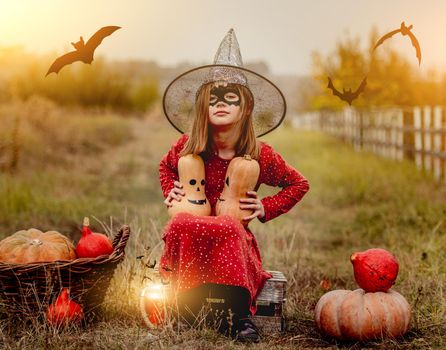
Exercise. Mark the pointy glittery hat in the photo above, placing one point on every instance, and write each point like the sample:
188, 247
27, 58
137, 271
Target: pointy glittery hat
179, 97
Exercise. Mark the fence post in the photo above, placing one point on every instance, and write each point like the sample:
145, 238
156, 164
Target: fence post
381, 134
437, 142
365, 128
361, 130
400, 135
408, 134
427, 132
418, 135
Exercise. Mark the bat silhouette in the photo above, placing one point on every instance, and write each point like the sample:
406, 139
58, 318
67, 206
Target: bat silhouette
404, 31
151, 266
84, 51
347, 95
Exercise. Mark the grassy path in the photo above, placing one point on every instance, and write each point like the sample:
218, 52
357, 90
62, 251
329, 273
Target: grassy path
356, 201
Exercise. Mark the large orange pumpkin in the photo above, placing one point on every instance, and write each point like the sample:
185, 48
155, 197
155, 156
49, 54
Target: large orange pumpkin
30, 246
356, 315
191, 175
242, 176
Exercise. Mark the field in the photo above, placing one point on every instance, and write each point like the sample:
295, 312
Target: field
73, 164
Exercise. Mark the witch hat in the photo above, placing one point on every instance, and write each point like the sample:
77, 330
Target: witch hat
179, 97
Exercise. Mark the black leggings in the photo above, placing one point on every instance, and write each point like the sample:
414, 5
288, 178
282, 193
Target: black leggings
219, 302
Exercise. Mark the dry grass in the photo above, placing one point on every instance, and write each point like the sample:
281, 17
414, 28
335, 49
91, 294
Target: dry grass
356, 201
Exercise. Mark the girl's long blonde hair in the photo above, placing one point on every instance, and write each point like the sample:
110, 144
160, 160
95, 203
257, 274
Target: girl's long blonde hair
200, 139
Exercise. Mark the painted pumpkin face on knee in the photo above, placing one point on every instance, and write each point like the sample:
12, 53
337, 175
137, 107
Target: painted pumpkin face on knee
242, 176
192, 176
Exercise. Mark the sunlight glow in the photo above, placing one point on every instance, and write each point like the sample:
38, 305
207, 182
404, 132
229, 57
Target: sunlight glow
155, 291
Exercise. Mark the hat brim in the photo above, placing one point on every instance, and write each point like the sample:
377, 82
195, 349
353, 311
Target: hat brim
179, 99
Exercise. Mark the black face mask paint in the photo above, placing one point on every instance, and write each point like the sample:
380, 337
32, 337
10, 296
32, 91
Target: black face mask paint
224, 94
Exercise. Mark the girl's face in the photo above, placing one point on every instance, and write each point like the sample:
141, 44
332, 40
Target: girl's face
224, 105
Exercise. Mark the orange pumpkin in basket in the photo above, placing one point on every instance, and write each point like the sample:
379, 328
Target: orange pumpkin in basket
192, 176
357, 315
31, 246
242, 176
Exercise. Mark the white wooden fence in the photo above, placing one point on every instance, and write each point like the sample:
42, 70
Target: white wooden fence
417, 133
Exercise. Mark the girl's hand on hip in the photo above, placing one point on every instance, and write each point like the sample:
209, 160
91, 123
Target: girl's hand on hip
254, 204
175, 193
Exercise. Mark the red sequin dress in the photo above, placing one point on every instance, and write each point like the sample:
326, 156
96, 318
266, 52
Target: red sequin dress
210, 249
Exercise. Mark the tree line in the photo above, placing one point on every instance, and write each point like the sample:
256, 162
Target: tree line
120, 86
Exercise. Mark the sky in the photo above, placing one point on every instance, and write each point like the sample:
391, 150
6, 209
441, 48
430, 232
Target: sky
283, 33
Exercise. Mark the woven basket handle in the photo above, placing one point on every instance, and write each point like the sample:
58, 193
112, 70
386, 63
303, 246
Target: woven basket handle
120, 241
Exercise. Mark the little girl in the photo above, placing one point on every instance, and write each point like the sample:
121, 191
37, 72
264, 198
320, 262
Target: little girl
232, 107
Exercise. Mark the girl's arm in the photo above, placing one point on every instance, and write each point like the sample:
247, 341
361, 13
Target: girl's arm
276, 172
168, 168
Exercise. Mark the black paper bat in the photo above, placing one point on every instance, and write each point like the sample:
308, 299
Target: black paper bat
404, 31
151, 266
347, 95
84, 52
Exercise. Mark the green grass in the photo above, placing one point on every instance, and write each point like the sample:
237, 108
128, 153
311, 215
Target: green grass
356, 201
58, 178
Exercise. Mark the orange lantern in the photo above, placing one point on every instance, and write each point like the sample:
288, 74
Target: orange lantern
153, 304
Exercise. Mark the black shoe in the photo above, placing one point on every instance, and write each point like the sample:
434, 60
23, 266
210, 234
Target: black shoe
247, 331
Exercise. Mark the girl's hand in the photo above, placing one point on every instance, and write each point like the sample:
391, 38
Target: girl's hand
175, 193
254, 204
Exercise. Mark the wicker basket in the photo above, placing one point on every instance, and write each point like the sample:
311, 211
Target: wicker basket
28, 289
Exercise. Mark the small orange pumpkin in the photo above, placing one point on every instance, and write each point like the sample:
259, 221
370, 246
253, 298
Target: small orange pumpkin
191, 175
357, 315
242, 176
31, 246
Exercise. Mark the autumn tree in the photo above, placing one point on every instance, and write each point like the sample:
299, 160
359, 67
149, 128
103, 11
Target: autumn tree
392, 78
